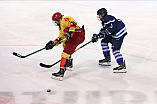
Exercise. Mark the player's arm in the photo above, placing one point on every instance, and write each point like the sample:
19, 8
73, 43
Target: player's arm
51, 43
58, 40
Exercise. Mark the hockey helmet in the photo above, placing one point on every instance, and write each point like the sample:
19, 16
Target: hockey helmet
101, 11
56, 18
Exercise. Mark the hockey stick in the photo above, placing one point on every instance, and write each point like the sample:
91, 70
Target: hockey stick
18, 55
49, 66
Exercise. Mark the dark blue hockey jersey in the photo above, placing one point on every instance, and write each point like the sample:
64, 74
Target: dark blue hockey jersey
114, 27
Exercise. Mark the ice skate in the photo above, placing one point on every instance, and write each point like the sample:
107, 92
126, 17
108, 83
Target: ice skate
59, 75
106, 61
120, 69
69, 65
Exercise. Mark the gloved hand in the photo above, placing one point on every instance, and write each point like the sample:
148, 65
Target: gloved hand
49, 45
101, 33
68, 35
94, 38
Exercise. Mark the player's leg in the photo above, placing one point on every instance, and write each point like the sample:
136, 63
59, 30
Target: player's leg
66, 61
106, 52
63, 66
69, 61
116, 45
71, 45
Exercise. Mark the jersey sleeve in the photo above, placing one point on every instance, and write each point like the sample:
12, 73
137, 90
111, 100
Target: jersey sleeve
60, 37
110, 24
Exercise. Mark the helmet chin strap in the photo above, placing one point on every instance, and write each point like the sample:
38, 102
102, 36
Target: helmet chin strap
56, 23
59, 22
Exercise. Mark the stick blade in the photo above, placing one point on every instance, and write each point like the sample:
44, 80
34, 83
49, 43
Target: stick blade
18, 55
45, 66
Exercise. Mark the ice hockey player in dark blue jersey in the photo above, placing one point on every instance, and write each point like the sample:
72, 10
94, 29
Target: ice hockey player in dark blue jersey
113, 31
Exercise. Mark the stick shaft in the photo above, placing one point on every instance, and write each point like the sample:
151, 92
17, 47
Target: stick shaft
35, 51
82, 46
48, 66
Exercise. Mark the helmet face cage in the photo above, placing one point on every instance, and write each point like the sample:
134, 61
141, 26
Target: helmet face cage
56, 22
98, 18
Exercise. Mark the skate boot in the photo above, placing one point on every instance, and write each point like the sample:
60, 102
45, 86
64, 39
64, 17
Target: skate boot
106, 61
120, 69
69, 64
59, 75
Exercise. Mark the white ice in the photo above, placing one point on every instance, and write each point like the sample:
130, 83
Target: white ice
26, 26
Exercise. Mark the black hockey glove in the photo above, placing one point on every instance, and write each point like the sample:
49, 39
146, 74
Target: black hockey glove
94, 38
68, 35
101, 33
49, 45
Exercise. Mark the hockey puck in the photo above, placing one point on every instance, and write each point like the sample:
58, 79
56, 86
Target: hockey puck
48, 90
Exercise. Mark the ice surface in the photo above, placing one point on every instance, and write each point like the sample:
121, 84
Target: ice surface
26, 26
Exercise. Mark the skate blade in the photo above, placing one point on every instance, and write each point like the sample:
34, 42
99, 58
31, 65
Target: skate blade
57, 78
105, 64
120, 71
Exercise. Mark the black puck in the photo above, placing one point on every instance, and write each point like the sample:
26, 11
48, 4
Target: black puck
48, 90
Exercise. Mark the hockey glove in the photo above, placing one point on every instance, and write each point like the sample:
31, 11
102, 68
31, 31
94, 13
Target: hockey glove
68, 35
94, 38
101, 33
49, 45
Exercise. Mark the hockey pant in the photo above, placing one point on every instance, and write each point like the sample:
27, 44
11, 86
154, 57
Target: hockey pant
70, 46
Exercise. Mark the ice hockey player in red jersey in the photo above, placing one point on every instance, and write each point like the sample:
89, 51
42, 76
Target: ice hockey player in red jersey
74, 35
113, 31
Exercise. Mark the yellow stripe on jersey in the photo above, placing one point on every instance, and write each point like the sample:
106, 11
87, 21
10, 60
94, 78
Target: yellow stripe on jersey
72, 28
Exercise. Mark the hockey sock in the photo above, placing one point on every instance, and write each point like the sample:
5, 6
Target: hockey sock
65, 62
105, 48
118, 56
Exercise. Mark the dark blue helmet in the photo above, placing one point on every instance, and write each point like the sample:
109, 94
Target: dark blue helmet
101, 11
